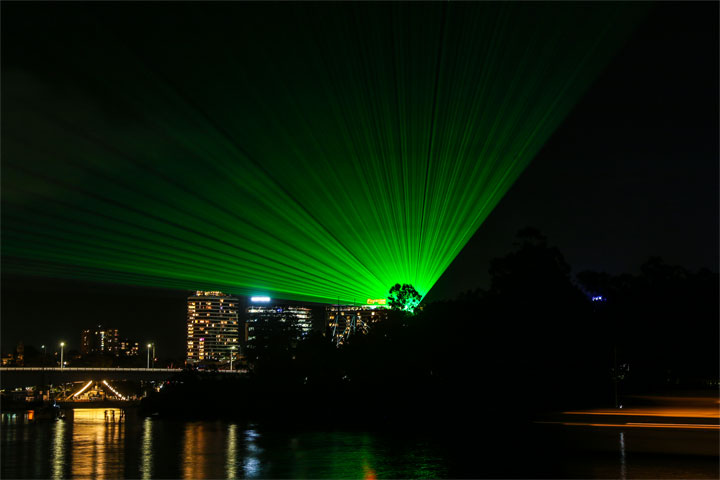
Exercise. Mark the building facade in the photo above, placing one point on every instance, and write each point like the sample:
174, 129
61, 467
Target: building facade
345, 320
99, 340
129, 347
212, 328
262, 318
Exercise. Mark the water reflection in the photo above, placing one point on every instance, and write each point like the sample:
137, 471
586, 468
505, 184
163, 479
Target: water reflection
88, 447
205, 450
193, 465
147, 450
219, 450
231, 454
88, 444
58, 451
368, 473
251, 462
623, 466
97, 440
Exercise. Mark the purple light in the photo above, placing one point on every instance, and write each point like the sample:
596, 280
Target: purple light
598, 298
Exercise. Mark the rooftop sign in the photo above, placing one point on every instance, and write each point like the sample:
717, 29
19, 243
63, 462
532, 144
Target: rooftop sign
259, 299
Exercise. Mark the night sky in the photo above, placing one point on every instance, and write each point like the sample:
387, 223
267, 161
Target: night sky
632, 172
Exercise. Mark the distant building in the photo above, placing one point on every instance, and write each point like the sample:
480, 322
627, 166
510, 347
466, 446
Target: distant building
212, 327
344, 320
8, 359
263, 316
129, 348
20, 357
99, 340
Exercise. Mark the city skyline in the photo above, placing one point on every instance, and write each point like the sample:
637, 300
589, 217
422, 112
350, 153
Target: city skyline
204, 317
360, 239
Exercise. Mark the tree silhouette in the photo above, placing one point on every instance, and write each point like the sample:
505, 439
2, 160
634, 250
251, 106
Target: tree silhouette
403, 297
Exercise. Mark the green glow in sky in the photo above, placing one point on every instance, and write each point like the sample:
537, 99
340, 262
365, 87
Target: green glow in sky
324, 156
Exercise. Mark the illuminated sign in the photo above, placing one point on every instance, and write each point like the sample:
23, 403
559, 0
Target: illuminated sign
259, 299
376, 301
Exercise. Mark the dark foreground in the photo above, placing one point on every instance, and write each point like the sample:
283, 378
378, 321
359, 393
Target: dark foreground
86, 445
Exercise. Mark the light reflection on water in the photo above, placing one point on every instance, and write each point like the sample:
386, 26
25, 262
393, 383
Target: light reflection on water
146, 452
58, 451
85, 445
623, 466
96, 446
251, 462
231, 454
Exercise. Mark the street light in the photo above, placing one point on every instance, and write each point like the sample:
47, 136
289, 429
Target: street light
62, 352
148, 358
231, 356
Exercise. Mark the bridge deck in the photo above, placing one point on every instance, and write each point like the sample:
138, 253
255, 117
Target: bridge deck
13, 377
102, 369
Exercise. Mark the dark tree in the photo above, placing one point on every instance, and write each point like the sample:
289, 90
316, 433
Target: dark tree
403, 297
534, 271
663, 322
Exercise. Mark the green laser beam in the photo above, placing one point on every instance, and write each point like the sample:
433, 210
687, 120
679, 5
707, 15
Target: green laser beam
325, 154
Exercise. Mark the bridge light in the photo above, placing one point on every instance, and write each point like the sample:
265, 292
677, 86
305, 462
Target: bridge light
83, 388
115, 392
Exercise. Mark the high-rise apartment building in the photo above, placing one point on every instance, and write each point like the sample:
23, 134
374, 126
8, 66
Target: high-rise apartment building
344, 320
263, 317
99, 340
212, 327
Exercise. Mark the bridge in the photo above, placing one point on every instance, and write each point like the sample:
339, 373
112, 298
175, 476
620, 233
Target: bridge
13, 377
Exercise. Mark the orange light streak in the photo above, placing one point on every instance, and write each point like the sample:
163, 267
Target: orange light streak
83, 389
694, 426
655, 412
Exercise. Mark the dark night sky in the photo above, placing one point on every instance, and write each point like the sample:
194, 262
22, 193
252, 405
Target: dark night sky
632, 172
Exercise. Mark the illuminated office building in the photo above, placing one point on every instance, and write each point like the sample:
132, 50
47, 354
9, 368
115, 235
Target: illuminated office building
99, 340
262, 316
212, 327
345, 320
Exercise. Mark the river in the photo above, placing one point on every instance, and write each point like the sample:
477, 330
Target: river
89, 445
